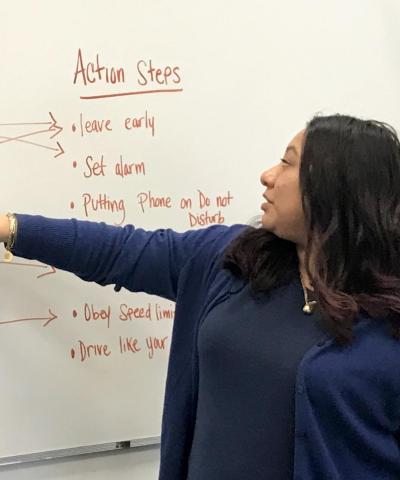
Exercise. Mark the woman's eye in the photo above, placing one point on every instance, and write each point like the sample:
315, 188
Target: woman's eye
284, 161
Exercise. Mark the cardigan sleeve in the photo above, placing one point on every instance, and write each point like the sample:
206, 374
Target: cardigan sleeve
129, 257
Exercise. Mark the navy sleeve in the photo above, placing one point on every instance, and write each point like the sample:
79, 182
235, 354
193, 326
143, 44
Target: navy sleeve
129, 257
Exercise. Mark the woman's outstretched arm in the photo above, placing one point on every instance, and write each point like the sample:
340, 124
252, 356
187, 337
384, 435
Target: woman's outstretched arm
129, 257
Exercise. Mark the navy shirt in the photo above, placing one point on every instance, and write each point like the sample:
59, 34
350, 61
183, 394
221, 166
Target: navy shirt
249, 352
347, 400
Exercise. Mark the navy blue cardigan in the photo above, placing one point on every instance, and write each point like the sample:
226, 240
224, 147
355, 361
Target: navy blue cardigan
347, 416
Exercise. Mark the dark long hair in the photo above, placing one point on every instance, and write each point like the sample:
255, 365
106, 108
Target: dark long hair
350, 188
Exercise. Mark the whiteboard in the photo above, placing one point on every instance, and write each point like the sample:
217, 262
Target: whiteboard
160, 114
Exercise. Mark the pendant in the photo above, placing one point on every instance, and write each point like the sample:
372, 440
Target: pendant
309, 307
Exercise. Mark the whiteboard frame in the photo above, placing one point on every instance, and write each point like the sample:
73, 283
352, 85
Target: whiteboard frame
69, 452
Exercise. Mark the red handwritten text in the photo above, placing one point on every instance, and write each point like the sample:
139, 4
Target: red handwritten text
91, 350
104, 203
154, 343
128, 345
94, 72
147, 200
92, 314
161, 76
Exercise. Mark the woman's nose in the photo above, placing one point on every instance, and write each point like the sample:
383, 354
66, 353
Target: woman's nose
267, 178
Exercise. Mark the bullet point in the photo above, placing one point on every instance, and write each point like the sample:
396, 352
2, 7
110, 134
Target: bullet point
74, 164
74, 313
72, 353
73, 127
72, 205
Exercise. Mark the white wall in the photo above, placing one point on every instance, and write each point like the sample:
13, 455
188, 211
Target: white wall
254, 73
134, 463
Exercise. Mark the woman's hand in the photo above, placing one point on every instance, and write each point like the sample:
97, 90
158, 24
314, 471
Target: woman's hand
4, 227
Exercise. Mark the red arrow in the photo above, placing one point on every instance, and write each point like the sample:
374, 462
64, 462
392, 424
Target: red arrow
52, 269
60, 150
19, 137
54, 126
30, 123
49, 319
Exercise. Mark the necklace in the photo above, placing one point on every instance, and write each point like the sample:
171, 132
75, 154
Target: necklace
309, 306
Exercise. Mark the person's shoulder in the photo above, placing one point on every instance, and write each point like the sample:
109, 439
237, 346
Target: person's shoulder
226, 232
218, 237
206, 244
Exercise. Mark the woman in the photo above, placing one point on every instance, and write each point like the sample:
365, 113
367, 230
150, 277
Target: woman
285, 353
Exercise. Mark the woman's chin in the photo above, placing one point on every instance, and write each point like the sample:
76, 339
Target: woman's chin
266, 221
